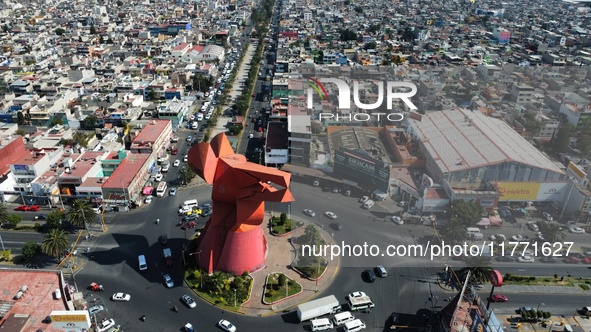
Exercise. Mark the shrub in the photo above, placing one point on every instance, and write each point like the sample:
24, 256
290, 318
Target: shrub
547, 315
37, 225
508, 276
555, 276
283, 218
525, 315
540, 314
532, 278
281, 280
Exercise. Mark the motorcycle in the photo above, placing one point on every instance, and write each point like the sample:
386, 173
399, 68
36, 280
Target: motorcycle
143, 318
175, 309
180, 223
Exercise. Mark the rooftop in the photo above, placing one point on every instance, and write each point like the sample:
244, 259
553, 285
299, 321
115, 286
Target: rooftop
277, 135
126, 171
461, 139
357, 138
151, 131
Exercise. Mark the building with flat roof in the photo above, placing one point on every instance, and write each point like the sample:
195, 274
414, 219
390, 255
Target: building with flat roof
467, 151
125, 184
277, 143
152, 138
299, 127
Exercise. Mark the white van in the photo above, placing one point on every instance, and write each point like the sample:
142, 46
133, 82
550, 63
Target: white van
474, 233
142, 263
190, 203
368, 204
343, 318
354, 326
321, 324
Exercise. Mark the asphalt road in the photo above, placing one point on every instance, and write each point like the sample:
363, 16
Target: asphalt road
406, 290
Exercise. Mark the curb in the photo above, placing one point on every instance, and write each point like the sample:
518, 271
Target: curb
285, 298
284, 234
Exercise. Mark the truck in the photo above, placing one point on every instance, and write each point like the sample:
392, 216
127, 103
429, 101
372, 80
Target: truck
320, 307
167, 256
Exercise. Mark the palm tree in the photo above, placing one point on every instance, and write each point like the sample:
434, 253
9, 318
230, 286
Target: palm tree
479, 270
81, 214
551, 232
3, 214
186, 174
55, 243
454, 234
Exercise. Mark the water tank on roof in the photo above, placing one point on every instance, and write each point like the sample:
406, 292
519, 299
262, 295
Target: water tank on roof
24, 288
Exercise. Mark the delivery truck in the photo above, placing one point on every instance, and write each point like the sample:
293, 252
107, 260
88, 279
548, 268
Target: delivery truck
320, 307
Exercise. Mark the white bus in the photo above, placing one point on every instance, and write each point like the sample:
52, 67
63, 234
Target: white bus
161, 190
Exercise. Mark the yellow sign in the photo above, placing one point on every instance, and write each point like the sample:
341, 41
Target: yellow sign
69, 318
518, 191
577, 171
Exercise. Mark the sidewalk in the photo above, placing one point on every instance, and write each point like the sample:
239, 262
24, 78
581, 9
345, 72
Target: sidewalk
278, 261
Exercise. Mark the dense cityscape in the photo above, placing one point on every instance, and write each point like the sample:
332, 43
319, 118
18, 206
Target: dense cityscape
280, 165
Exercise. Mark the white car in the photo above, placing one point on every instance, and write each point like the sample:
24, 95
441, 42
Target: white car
576, 230
533, 226
525, 259
168, 281
547, 216
148, 200
176, 163
105, 325
226, 326
185, 209
189, 301
403, 203
517, 237
96, 309
330, 215
363, 199
540, 236
397, 220
158, 177
121, 297
186, 158
356, 294
310, 212
498, 237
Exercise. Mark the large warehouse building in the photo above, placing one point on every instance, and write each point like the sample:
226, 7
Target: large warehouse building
476, 157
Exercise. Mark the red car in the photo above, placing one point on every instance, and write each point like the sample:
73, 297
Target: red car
27, 208
498, 298
586, 260
190, 224
571, 260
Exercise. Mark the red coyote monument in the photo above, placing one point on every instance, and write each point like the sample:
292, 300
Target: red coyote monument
233, 239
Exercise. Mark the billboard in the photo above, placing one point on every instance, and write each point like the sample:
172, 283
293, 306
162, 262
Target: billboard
276, 156
575, 171
359, 166
532, 191
70, 320
518, 191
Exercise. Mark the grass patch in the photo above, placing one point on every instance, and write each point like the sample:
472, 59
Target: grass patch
277, 286
584, 286
281, 226
221, 289
510, 279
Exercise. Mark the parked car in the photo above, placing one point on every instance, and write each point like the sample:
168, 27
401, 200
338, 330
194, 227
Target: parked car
517, 237
105, 325
172, 191
505, 259
397, 220
547, 216
41, 217
498, 298
121, 297
363, 199
330, 215
402, 203
27, 208
356, 294
189, 225
176, 163
571, 260
310, 212
148, 200
525, 259
158, 177
95, 309
533, 226
576, 230
498, 237
226, 326
189, 301
548, 259
189, 138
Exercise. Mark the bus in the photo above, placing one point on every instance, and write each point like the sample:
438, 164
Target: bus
161, 190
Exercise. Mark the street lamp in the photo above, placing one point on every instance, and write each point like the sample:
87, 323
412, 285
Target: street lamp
539, 304
234, 297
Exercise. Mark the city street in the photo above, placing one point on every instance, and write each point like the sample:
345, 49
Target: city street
413, 280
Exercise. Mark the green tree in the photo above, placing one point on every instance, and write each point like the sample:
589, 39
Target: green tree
464, 213
54, 219
454, 234
561, 140
241, 106
119, 3
152, 95
281, 280
31, 250
20, 132
6, 254
370, 46
347, 35
80, 214
186, 174
20, 118
479, 270
14, 219
92, 29
235, 129
531, 124
90, 121
282, 218
4, 215
59, 31
57, 121
552, 232
55, 243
